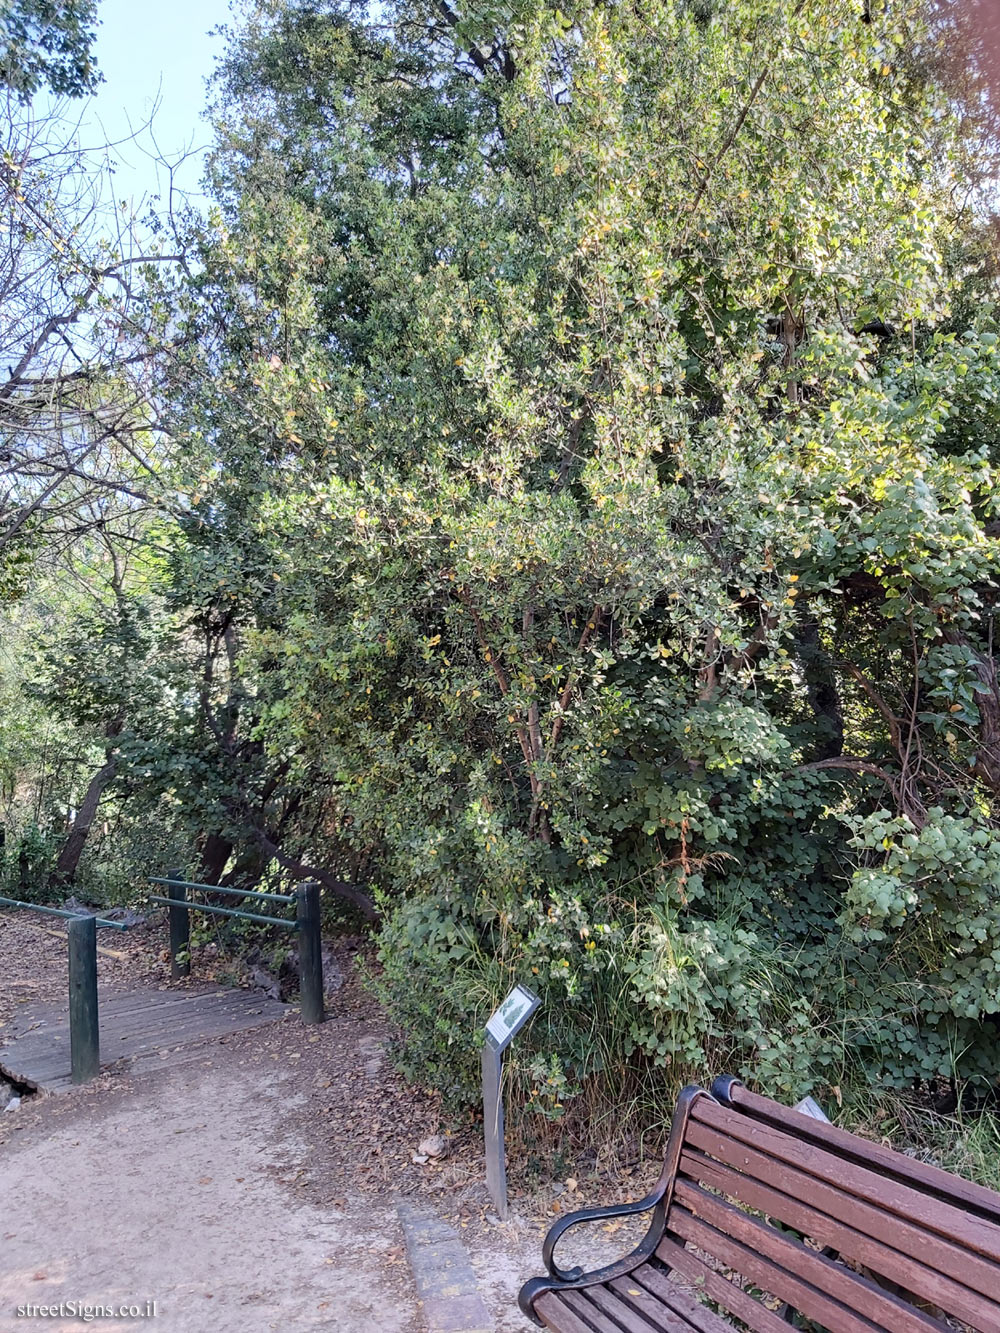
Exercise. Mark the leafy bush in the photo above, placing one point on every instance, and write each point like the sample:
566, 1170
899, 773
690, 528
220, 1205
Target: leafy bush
591, 534
631, 576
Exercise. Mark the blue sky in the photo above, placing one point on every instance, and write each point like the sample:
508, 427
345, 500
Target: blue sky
149, 50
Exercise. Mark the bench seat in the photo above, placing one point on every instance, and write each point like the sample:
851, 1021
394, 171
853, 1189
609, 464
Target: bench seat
645, 1300
765, 1216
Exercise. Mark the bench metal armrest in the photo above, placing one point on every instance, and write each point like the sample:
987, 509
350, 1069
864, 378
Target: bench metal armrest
658, 1200
559, 1229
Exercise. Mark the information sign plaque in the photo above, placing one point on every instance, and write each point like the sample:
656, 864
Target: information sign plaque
502, 1027
507, 1021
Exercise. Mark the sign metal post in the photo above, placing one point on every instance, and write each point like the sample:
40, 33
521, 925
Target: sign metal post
503, 1026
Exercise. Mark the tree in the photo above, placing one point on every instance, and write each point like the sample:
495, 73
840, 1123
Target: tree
47, 43
600, 499
77, 396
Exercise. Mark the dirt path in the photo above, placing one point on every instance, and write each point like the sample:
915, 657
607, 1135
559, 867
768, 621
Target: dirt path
254, 1188
182, 1193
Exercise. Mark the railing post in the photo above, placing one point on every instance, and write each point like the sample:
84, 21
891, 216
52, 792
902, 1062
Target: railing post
311, 1004
84, 1036
180, 927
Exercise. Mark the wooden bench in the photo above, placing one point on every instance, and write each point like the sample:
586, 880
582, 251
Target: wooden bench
768, 1218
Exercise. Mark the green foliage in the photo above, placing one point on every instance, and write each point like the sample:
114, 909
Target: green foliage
606, 592
26, 860
589, 425
47, 43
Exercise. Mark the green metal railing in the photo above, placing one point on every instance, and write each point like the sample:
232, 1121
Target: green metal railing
257, 894
306, 922
226, 911
102, 922
84, 1030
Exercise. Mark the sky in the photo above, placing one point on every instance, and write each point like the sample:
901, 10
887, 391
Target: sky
153, 54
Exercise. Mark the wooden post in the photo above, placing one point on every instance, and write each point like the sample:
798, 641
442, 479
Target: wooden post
311, 1004
180, 928
84, 1036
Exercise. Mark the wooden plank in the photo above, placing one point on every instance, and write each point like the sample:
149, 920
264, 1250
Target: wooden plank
717, 1288
163, 1002
881, 1242
161, 1026
907, 1235
771, 1277
627, 1316
114, 997
166, 1029
857, 1293
599, 1322
198, 1029
209, 1029
928, 1178
101, 949
134, 1025
155, 1006
973, 1233
557, 1315
651, 1299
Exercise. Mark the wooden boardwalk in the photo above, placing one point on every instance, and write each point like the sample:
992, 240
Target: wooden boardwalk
140, 1030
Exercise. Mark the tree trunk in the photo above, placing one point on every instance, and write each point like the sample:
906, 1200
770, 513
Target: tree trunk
215, 853
823, 695
69, 857
341, 888
249, 866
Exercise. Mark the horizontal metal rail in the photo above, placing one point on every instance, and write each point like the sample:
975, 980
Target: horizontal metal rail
59, 911
219, 888
225, 911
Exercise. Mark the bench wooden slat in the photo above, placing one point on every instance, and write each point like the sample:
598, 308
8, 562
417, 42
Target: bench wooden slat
872, 1246
604, 1310
829, 1276
716, 1287
595, 1319
933, 1180
973, 1270
936, 1215
558, 1316
773, 1278
585, 1303
690, 1313
624, 1312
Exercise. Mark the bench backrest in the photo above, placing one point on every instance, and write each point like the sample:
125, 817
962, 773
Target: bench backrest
806, 1217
